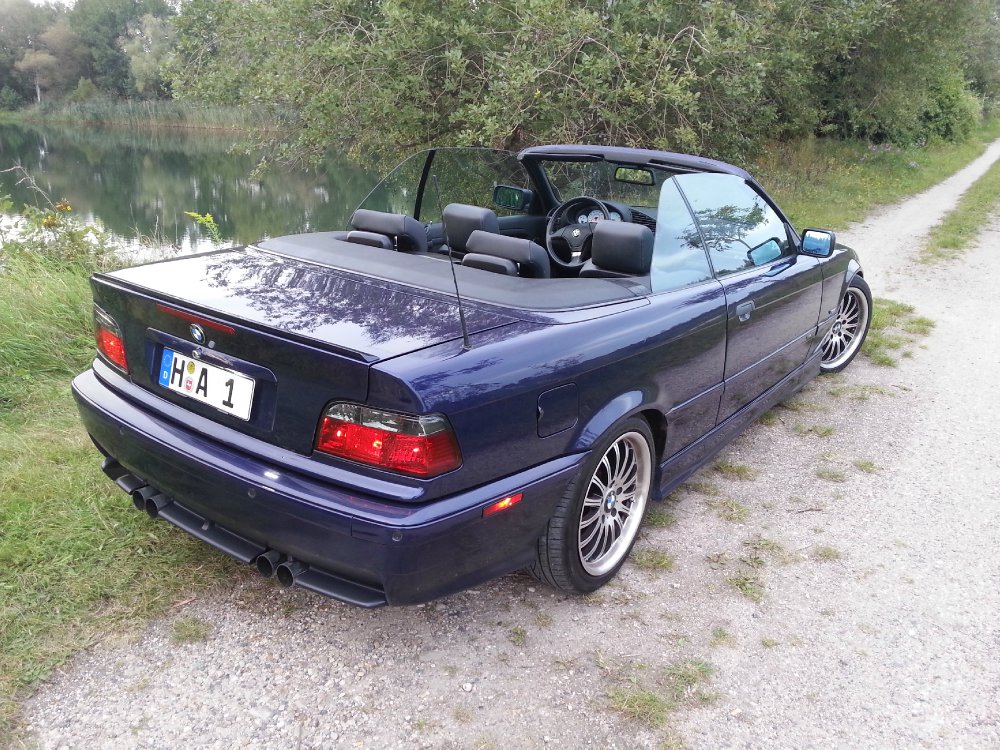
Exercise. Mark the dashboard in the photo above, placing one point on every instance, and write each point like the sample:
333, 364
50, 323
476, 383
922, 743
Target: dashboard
592, 217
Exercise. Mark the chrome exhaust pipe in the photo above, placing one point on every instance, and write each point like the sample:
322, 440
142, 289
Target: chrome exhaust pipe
268, 563
288, 571
142, 495
156, 503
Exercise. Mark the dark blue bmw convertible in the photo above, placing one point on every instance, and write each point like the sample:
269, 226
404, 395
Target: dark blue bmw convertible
498, 366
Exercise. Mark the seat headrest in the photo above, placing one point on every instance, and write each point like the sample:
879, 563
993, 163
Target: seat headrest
410, 234
622, 247
461, 220
532, 258
490, 263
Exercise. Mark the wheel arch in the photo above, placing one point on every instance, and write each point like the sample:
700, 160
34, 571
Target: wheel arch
623, 406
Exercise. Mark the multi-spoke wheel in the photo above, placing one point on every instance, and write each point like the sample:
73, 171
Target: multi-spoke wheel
844, 339
597, 521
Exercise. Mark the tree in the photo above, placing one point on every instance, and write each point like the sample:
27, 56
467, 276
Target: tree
148, 46
100, 24
716, 76
21, 23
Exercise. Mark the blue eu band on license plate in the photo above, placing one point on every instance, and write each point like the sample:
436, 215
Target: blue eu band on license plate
218, 387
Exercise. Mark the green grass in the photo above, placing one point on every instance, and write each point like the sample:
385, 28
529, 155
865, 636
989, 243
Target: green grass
190, 630
866, 465
831, 475
659, 518
827, 554
652, 559
963, 224
721, 637
650, 699
895, 328
734, 470
729, 510
76, 560
824, 182
820, 430
749, 585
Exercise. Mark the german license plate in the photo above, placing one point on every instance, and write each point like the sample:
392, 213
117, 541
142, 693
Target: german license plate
218, 387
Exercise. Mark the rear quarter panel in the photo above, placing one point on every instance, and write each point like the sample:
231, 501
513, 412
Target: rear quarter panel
667, 355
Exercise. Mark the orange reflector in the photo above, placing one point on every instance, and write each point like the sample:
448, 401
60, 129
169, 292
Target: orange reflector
500, 505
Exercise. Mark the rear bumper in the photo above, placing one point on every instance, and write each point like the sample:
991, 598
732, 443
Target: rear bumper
358, 548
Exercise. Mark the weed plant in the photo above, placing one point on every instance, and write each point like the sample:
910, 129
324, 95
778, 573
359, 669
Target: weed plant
75, 560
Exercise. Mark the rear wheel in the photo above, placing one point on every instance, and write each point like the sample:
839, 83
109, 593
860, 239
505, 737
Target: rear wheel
597, 520
844, 339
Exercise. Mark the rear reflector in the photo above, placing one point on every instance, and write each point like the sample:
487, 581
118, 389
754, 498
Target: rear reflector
508, 502
109, 339
419, 446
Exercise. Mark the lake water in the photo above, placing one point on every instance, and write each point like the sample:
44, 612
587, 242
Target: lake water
138, 184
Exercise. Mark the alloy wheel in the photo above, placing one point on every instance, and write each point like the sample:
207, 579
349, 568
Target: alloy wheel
614, 504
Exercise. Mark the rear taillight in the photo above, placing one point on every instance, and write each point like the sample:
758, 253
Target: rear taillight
419, 446
109, 339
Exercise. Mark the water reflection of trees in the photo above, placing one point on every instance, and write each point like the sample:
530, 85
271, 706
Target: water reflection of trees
141, 183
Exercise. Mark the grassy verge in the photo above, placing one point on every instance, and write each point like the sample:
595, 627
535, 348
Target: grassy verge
962, 225
76, 562
147, 114
830, 183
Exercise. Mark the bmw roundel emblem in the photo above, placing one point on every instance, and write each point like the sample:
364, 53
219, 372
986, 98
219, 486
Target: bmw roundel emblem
197, 333
576, 232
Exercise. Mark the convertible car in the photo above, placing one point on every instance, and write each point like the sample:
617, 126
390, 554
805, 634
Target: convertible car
498, 366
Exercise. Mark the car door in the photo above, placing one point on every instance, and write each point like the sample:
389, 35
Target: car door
773, 293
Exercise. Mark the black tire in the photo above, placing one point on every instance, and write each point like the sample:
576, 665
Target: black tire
844, 339
621, 464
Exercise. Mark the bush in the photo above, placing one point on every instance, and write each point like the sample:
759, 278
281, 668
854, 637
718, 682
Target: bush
9, 99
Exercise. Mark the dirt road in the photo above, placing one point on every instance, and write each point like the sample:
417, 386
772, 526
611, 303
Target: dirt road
869, 532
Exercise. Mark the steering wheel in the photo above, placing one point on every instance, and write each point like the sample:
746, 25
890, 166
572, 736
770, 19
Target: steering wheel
567, 241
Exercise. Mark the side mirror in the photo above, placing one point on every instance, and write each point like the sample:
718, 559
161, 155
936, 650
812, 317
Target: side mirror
514, 198
764, 253
818, 242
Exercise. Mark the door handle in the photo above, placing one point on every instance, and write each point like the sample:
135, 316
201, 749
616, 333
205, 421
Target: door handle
743, 311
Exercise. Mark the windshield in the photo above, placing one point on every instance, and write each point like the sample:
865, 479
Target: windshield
606, 180
465, 175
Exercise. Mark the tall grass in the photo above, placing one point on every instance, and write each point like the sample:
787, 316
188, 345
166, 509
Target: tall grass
829, 183
75, 560
154, 113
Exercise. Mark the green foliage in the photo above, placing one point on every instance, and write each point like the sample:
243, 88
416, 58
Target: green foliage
85, 91
9, 99
206, 222
691, 75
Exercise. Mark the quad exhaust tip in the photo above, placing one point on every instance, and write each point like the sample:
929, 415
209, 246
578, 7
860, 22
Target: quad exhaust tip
288, 571
155, 504
141, 495
268, 563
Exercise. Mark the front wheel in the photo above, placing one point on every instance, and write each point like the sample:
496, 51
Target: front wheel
844, 339
597, 520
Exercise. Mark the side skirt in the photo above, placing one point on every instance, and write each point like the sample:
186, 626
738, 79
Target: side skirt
676, 469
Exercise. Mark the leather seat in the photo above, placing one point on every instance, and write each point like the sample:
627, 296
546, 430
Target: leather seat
461, 220
406, 233
619, 249
531, 259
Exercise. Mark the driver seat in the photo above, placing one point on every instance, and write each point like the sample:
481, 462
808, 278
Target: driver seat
619, 249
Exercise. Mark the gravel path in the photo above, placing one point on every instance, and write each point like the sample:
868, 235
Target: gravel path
870, 532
